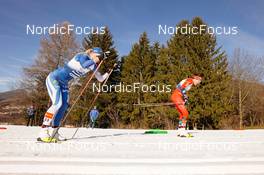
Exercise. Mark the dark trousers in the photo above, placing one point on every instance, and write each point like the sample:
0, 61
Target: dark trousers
30, 120
91, 124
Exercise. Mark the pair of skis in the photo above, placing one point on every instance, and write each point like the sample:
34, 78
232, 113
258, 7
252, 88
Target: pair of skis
82, 91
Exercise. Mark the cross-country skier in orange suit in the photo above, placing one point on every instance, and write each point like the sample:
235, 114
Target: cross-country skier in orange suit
180, 99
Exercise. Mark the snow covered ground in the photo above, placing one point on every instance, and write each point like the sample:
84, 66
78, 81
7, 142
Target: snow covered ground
119, 151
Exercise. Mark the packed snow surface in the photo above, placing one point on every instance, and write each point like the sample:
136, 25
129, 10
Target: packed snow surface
123, 151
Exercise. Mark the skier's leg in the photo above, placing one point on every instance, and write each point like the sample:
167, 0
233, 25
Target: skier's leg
55, 94
56, 98
32, 120
93, 121
182, 120
28, 121
183, 113
58, 117
89, 125
65, 103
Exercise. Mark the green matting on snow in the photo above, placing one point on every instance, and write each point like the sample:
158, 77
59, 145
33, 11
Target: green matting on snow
156, 131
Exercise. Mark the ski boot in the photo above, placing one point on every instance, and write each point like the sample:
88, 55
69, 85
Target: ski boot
183, 133
56, 135
44, 136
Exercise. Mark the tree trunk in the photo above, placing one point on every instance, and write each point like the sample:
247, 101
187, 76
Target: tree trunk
240, 106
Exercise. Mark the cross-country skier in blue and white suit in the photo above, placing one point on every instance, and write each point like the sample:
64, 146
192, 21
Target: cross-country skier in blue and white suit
57, 85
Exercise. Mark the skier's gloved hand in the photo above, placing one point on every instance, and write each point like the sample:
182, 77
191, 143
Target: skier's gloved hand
106, 54
106, 75
186, 99
186, 102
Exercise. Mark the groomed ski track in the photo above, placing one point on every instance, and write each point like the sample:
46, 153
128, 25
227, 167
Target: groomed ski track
122, 151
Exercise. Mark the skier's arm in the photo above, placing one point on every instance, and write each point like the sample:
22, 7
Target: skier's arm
100, 77
186, 98
87, 63
97, 114
90, 113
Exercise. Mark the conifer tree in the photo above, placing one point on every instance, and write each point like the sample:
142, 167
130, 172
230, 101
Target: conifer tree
199, 53
138, 67
163, 116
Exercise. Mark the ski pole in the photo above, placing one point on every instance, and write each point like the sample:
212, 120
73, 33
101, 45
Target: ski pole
78, 97
95, 98
151, 104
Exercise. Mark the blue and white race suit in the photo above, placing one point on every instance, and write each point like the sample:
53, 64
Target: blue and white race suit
57, 85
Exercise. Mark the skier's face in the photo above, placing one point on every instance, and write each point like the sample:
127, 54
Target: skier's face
197, 80
95, 57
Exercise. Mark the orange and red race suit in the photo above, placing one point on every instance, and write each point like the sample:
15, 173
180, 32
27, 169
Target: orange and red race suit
179, 98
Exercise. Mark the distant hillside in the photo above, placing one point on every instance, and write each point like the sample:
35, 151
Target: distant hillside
11, 97
12, 106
